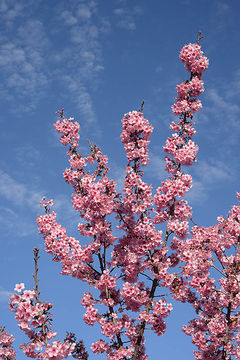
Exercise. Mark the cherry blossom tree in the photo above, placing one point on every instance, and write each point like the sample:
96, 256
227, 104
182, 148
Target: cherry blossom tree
160, 247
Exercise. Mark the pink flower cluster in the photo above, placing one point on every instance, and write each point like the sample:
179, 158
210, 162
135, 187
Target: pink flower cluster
217, 303
58, 350
187, 103
35, 319
181, 149
6, 349
134, 296
161, 310
136, 131
192, 56
70, 131
46, 204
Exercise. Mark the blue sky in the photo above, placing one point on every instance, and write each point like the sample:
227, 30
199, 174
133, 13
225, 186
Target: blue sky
98, 60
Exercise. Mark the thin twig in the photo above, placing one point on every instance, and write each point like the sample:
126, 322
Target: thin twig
199, 36
141, 108
36, 280
219, 270
193, 221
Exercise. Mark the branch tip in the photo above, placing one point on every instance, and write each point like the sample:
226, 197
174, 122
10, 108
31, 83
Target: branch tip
141, 108
200, 36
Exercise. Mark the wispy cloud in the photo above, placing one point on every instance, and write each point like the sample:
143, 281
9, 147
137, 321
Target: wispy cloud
78, 12
158, 69
11, 9
222, 112
223, 16
82, 98
205, 176
233, 86
156, 168
4, 294
197, 194
117, 173
16, 224
212, 171
22, 64
82, 58
30, 61
20, 206
27, 155
126, 17
18, 193
220, 102
222, 8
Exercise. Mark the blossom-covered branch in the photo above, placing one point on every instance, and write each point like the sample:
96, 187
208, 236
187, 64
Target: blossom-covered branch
35, 319
128, 270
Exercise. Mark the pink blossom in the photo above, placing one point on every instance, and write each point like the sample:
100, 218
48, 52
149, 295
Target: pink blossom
90, 316
99, 347
19, 287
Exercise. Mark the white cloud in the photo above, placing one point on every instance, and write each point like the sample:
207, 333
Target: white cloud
197, 194
68, 18
85, 35
137, 10
212, 171
18, 193
66, 214
82, 99
118, 11
205, 176
30, 63
11, 56
11, 189
18, 216
79, 14
81, 59
16, 224
233, 87
221, 102
117, 173
127, 23
222, 111
11, 9
104, 26
3, 6
27, 155
222, 8
158, 69
23, 73
4, 294
156, 168
29, 66
126, 17
84, 11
